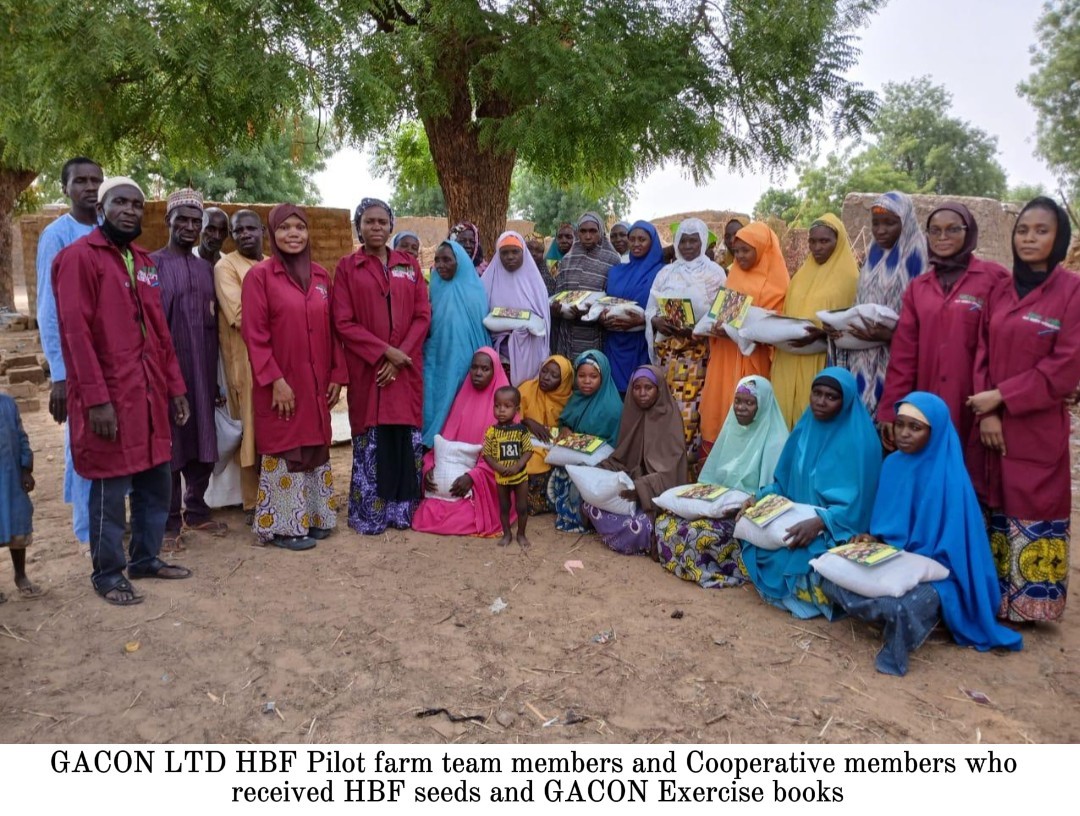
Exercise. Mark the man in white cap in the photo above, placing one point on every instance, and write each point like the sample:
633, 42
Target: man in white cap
122, 383
190, 304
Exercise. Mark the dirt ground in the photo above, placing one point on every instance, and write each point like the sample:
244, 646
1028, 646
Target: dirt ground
351, 640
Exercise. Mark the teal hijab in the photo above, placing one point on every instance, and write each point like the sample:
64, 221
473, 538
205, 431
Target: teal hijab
834, 466
600, 413
744, 458
458, 307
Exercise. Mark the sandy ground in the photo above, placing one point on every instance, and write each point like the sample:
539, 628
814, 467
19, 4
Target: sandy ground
351, 640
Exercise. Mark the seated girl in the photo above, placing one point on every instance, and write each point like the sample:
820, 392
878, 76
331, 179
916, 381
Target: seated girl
470, 416
594, 408
743, 458
542, 401
831, 461
926, 505
652, 452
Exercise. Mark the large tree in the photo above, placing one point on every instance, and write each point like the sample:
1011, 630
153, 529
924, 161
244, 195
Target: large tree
601, 92
403, 156
1053, 89
137, 77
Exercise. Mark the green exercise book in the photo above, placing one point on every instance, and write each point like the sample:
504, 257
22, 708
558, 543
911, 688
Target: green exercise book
704, 492
769, 509
867, 553
583, 443
514, 314
679, 312
731, 307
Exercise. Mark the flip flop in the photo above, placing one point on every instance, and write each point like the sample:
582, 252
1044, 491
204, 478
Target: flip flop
32, 592
122, 586
156, 569
173, 542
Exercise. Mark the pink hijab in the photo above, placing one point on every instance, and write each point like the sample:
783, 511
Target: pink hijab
470, 417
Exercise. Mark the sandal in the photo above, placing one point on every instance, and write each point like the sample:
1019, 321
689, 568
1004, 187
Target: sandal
122, 586
214, 528
318, 533
159, 569
173, 542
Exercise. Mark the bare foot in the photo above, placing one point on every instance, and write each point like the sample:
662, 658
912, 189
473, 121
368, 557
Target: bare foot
523, 541
28, 589
505, 540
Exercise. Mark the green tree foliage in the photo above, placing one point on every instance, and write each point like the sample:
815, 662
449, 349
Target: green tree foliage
548, 204
279, 168
140, 77
941, 154
403, 157
1023, 193
1053, 89
914, 146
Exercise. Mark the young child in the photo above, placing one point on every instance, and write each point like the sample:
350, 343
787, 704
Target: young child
507, 448
16, 482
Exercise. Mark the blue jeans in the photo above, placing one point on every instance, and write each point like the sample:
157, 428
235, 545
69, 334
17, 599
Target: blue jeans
76, 493
151, 491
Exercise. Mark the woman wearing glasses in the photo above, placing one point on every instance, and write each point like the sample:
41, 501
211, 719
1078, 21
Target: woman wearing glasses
933, 347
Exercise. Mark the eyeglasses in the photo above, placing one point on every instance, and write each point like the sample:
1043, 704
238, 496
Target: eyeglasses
952, 232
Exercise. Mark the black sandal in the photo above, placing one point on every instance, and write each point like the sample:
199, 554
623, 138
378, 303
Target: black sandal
319, 533
295, 543
123, 586
156, 568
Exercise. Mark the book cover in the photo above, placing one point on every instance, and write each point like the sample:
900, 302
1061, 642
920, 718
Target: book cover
731, 307
506, 311
584, 443
867, 553
704, 492
679, 312
573, 297
769, 509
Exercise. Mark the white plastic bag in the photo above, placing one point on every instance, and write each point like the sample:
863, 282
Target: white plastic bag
771, 536
693, 509
601, 488
452, 460
856, 318
889, 579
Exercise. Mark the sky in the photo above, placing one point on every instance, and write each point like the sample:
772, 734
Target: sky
978, 49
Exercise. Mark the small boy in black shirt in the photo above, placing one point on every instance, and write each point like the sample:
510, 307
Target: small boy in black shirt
507, 448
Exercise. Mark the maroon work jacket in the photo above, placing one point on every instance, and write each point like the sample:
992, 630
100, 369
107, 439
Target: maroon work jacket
933, 347
376, 308
288, 334
117, 349
1029, 349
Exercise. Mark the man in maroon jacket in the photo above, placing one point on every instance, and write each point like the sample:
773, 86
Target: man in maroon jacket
122, 379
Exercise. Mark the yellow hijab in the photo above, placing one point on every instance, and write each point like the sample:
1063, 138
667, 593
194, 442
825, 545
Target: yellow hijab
546, 406
830, 285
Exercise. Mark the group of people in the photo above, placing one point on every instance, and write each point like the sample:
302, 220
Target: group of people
960, 409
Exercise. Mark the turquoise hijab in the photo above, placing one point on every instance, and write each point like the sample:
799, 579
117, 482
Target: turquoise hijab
833, 466
458, 307
926, 505
600, 413
744, 458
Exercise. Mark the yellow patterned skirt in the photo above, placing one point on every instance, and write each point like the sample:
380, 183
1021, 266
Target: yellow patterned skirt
684, 363
291, 503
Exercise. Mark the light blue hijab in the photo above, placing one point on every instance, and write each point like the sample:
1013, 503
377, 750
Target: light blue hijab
927, 506
744, 458
831, 465
458, 307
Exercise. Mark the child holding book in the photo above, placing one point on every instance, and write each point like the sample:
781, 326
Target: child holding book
507, 449
16, 483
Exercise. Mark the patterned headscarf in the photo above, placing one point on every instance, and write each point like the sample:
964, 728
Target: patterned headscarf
467, 226
184, 198
367, 203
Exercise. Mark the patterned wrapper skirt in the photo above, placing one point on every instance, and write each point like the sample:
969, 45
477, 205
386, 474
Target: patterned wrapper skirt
684, 363
538, 494
289, 504
907, 621
702, 551
1032, 559
564, 497
629, 535
368, 513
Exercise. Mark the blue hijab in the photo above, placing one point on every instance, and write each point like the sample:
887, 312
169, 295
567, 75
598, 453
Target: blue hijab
600, 413
458, 307
632, 280
926, 505
831, 465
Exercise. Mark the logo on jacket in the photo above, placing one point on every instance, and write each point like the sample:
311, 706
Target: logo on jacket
321, 289
1049, 324
403, 271
973, 302
148, 275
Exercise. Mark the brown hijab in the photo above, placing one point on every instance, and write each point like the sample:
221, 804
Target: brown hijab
298, 266
962, 259
652, 443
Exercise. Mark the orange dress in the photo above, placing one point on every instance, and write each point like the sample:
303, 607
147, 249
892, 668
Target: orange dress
767, 283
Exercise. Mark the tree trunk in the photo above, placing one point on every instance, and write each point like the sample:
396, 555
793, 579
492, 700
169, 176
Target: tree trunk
12, 182
475, 180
